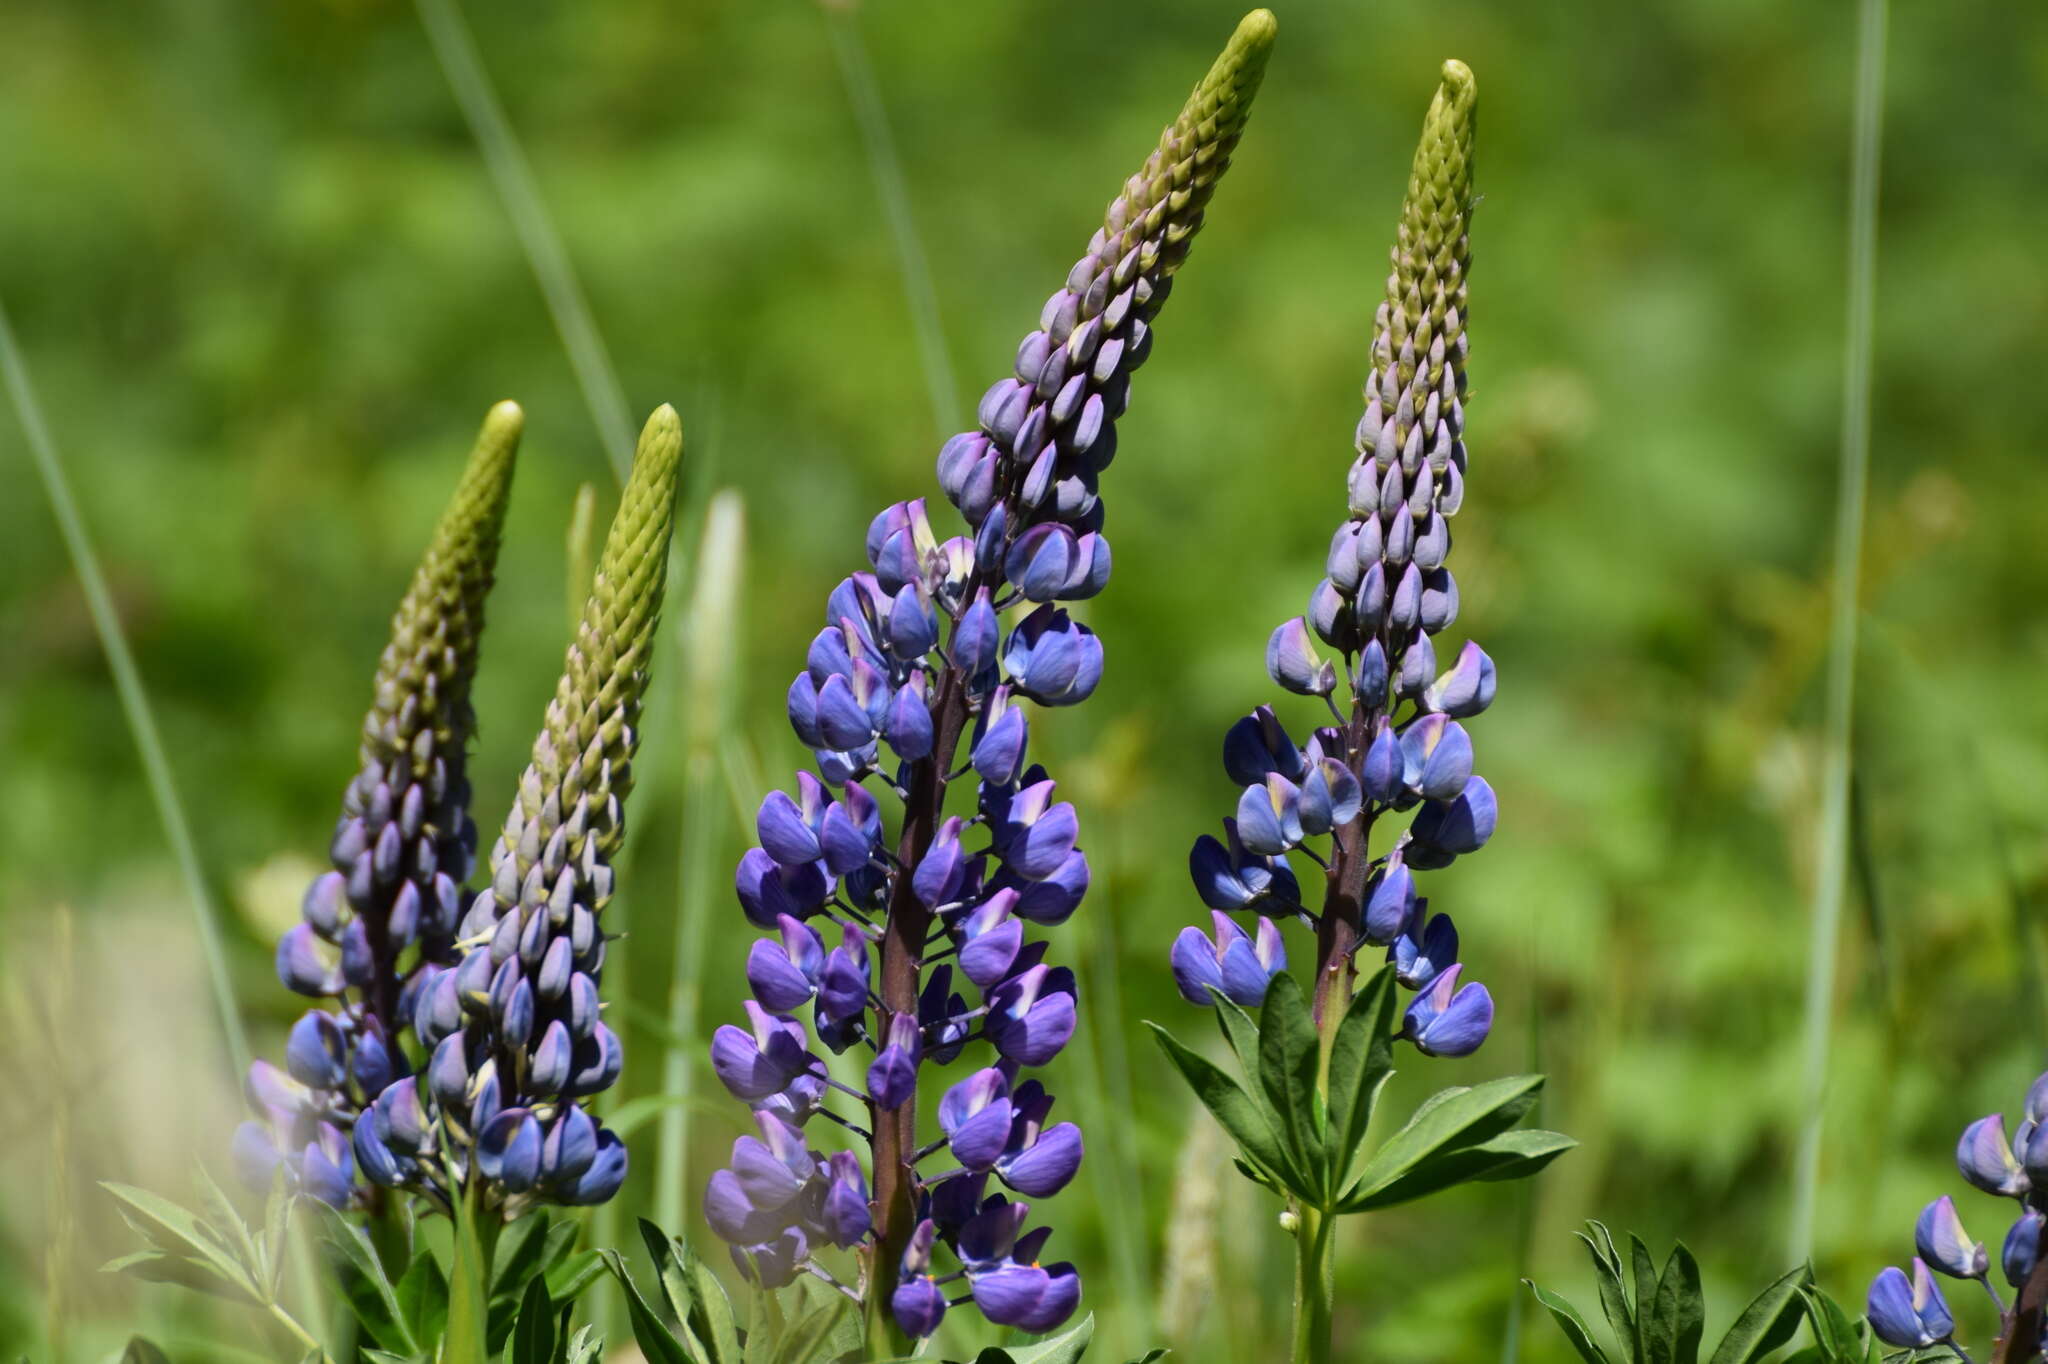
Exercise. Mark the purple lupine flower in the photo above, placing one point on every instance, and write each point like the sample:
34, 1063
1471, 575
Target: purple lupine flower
2022, 1248
1367, 646
1234, 965
915, 680
1939, 1237
378, 926
1912, 1314
512, 1028
1909, 1314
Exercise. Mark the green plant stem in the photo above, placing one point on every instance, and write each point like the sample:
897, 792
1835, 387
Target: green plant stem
1315, 1283
455, 49
300, 1333
885, 1339
1832, 861
128, 685
469, 1294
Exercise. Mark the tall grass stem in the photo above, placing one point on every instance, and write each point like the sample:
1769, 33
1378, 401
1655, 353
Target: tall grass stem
710, 625
455, 50
843, 26
128, 685
1831, 862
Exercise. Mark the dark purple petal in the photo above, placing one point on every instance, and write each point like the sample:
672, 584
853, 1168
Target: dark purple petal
1043, 1168
918, 1305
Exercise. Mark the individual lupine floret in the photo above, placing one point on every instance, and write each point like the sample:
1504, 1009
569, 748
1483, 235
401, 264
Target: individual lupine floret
384, 917
1910, 1314
516, 1039
912, 670
1914, 1314
1234, 965
1399, 743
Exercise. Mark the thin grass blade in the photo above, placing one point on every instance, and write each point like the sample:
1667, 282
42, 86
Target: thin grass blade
707, 642
1831, 864
128, 685
455, 50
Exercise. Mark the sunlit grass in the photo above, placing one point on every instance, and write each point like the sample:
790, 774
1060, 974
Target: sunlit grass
886, 168
707, 704
129, 686
455, 49
1832, 854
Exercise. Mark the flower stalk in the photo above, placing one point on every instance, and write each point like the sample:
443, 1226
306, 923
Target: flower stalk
916, 657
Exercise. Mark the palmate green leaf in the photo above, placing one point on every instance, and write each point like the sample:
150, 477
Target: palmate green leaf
1064, 1348
169, 1227
157, 1266
277, 1222
1447, 1120
1615, 1302
1361, 1060
1572, 1324
1771, 1319
1511, 1155
535, 1244
804, 1341
764, 1327
1678, 1314
1839, 1337
225, 1222
695, 1295
540, 1251
370, 1293
656, 1341
533, 1333
1287, 1073
1239, 1114
567, 1280
423, 1297
141, 1351
585, 1347
1643, 1269
1240, 1030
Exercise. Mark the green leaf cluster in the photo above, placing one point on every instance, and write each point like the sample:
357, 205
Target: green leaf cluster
1660, 1318
803, 1323
1304, 1135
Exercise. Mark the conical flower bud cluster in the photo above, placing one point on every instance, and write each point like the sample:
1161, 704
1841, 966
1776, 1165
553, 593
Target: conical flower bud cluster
404, 845
513, 1029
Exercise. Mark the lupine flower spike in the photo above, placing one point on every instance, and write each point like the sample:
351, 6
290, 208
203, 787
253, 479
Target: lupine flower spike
383, 919
513, 1031
1366, 648
879, 926
1400, 743
1911, 1313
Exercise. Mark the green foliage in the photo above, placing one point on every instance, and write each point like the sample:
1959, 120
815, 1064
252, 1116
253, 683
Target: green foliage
1293, 1140
401, 1313
217, 1254
1660, 1318
231, 320
795, 1325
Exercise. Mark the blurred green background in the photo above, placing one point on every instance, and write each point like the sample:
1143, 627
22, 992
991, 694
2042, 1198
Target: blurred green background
267, 291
